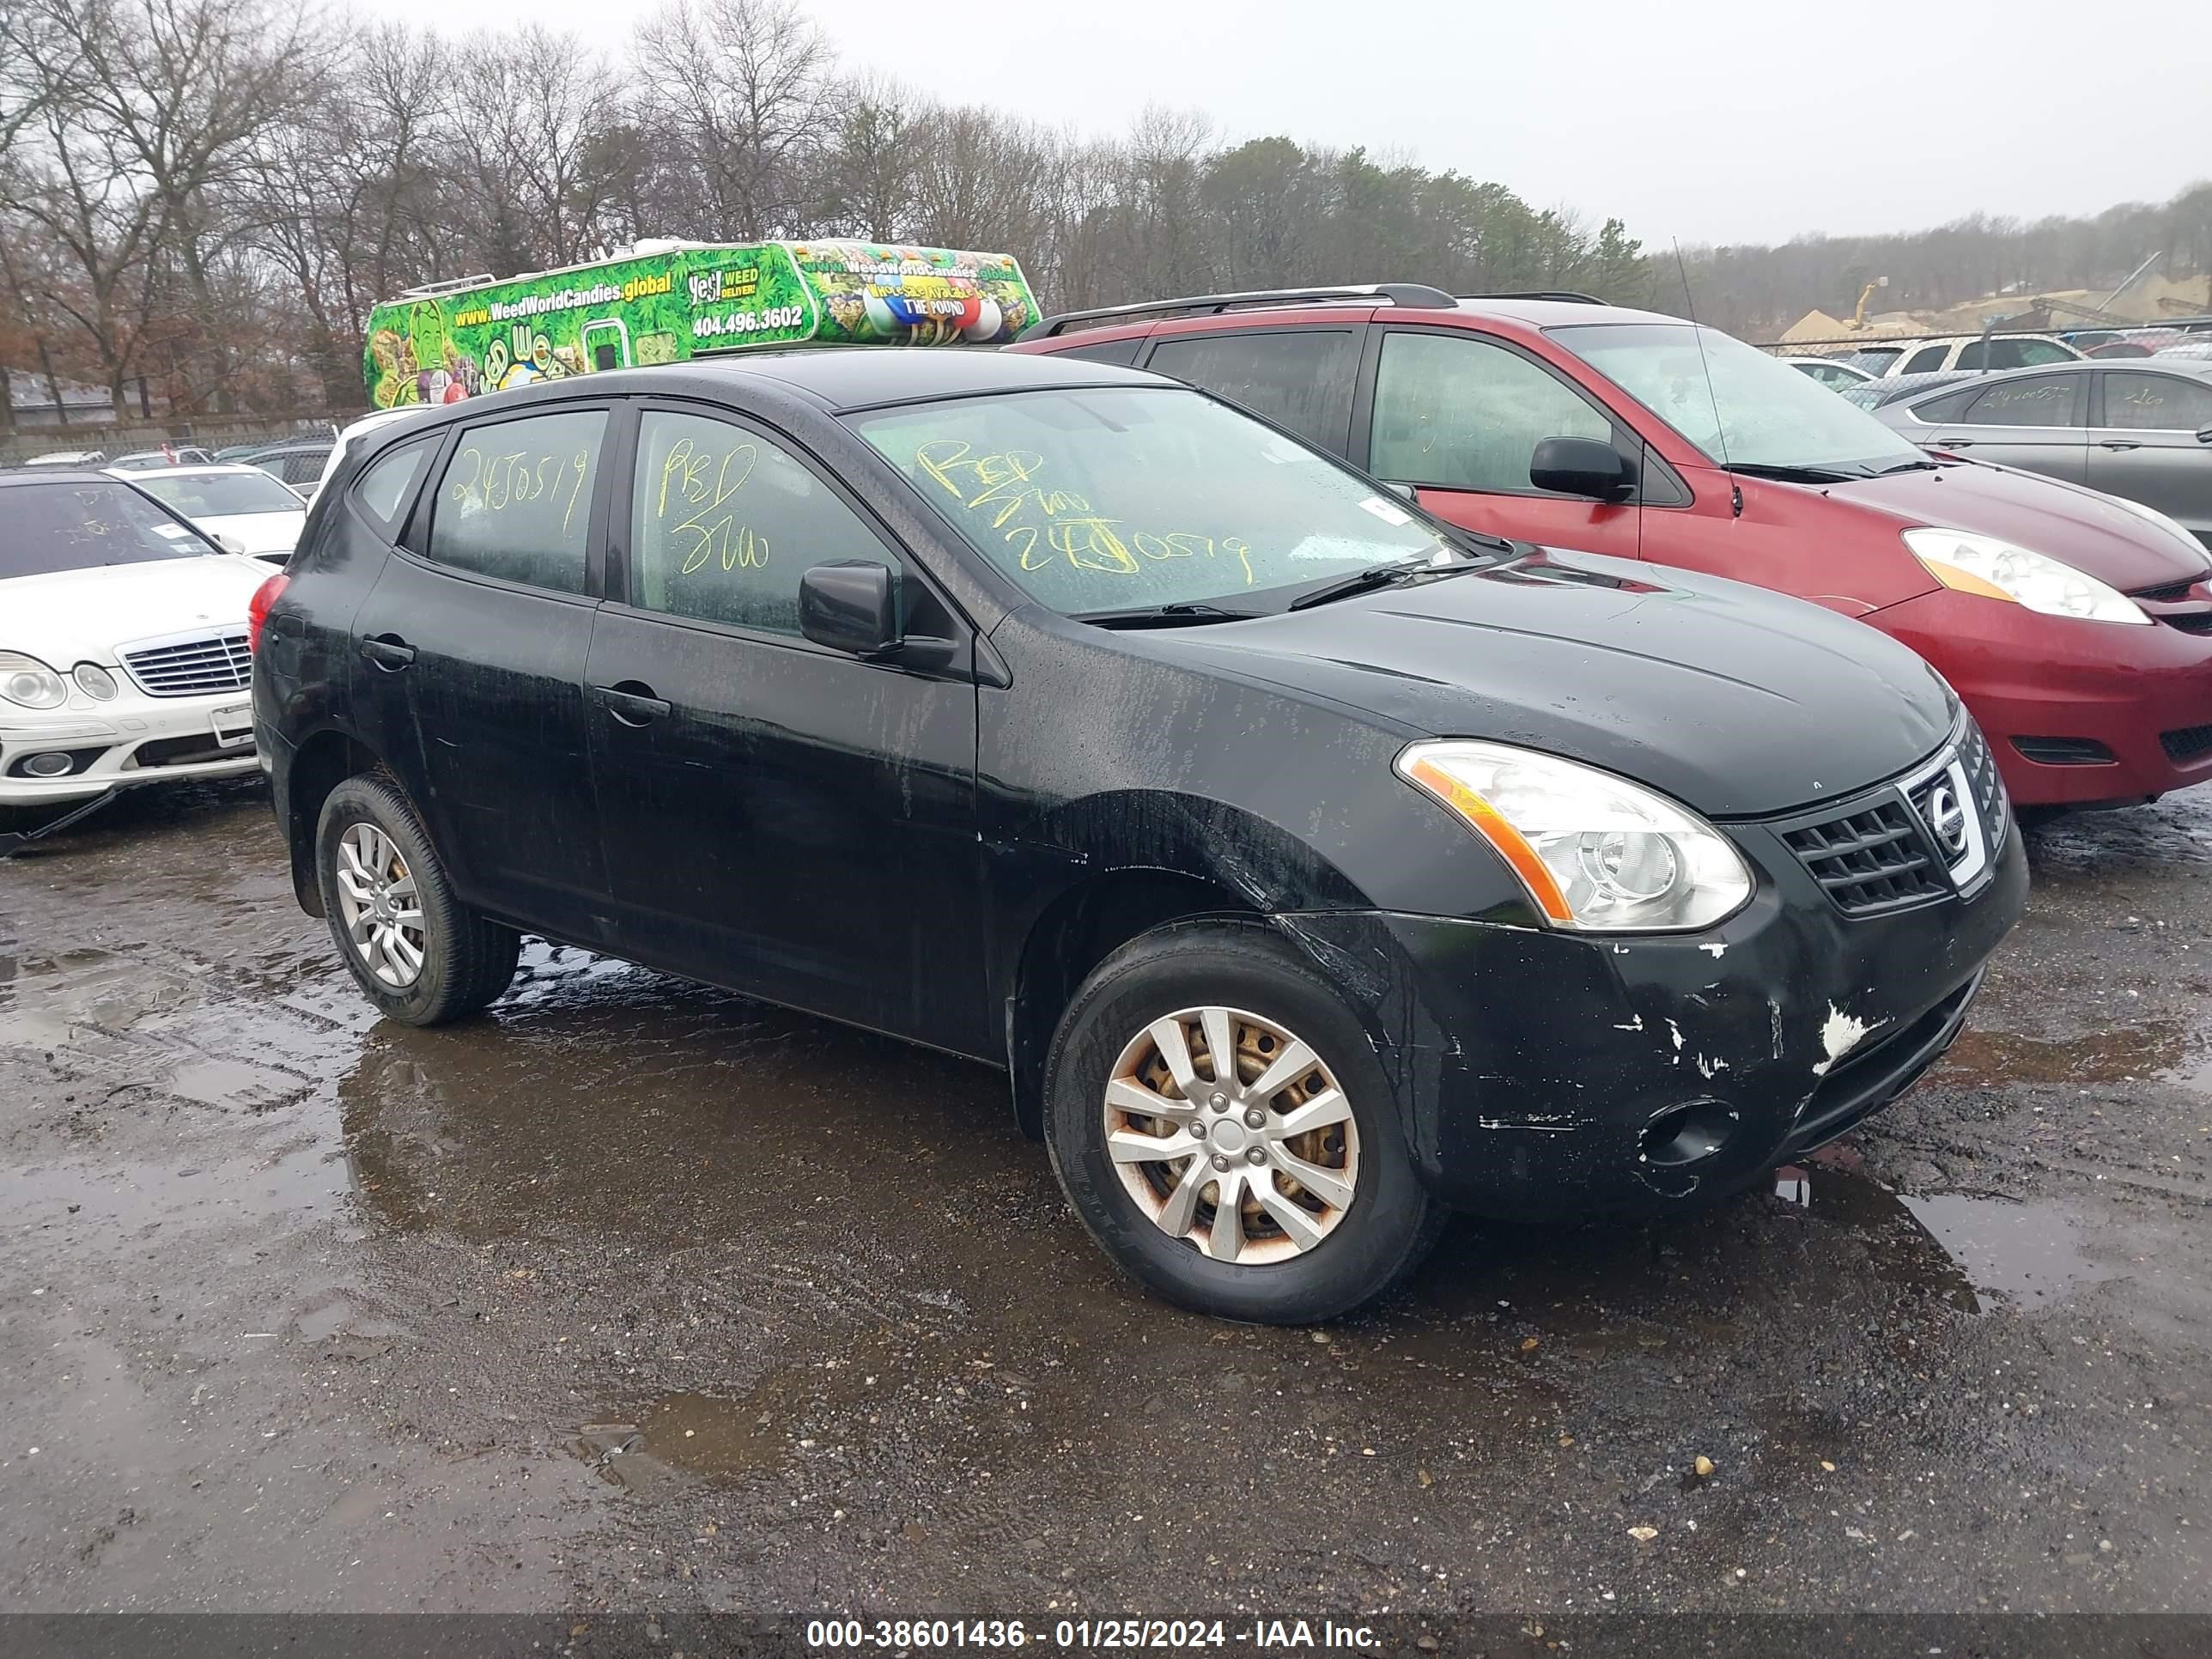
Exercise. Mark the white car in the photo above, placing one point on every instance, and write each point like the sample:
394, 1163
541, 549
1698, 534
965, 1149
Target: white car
1830, 372
353, 434
1891, 358
241, 507
123, 644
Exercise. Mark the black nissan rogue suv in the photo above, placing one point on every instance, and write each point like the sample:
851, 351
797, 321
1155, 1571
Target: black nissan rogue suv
1311, 867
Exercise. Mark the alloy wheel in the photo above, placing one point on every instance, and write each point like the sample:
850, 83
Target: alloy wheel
1230, 1132
380, 905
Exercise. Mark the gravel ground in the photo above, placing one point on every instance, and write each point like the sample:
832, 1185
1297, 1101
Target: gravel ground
636, 1296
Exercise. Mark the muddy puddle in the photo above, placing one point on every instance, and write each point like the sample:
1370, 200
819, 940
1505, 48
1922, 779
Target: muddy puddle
2154, 1051
1978, 1252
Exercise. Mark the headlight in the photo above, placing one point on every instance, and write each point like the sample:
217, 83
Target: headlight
1998, 570
94, 680
1594, 850
28, 681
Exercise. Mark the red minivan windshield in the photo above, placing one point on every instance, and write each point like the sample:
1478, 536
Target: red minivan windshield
1738, 405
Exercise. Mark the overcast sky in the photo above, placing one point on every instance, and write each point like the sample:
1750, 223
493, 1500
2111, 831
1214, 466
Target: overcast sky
1705, 120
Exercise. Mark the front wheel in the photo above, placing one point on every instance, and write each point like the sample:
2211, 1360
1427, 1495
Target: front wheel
1218, 1120
419, 954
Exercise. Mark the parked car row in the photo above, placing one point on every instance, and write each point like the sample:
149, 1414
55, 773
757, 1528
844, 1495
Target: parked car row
296, 463
1346, 754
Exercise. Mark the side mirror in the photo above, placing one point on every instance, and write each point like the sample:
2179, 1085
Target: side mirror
1580, 466
851, 605
230, 543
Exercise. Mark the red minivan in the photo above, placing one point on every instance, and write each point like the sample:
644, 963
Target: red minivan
2078, 626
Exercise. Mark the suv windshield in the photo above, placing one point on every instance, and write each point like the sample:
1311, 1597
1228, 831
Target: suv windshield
1737, 405
216, 494
77, 526
1107, 500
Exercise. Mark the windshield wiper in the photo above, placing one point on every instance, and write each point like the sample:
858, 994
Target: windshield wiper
1182, 613
1907, 466
1809, 475
1379, 575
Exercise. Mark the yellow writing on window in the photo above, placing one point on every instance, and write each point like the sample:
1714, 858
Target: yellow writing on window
492, 481
706, 483
1044, 526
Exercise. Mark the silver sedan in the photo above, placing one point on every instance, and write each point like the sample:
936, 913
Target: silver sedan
2140, 429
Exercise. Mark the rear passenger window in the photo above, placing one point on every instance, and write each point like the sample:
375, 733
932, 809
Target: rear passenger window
1459, 413
1300, 379
515, 501
384, 487
1926, 361
724, 523
1948, 407
2040, 400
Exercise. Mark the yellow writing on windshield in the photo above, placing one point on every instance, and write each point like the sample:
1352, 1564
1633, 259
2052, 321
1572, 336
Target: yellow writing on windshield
493, 480
706, 481
1044, 526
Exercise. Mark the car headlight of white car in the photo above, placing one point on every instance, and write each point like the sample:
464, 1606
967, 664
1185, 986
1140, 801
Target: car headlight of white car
1596, 852
30, 683
1968, 563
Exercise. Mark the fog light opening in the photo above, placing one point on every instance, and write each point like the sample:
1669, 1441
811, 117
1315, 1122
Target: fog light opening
1685, 1137
49, 765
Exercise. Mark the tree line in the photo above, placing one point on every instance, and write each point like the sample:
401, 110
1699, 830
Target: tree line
208, 196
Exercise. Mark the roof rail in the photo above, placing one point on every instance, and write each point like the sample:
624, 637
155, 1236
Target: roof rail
1565, 296
428, 288
1417, 294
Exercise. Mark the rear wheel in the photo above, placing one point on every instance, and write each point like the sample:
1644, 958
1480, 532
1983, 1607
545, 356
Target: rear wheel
1219, 1121
419, 954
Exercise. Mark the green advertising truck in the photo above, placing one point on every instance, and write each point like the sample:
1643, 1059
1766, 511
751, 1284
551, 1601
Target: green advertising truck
661, 302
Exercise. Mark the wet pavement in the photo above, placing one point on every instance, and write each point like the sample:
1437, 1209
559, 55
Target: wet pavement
634, 1295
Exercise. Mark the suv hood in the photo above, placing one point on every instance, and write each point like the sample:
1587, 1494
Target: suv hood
1735, 701
83, 616
2085, 528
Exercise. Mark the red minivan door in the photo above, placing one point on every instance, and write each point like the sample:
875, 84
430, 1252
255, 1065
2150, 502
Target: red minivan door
1457, 414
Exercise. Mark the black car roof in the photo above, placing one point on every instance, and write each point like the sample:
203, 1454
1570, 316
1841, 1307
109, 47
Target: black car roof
844, 377
38, 475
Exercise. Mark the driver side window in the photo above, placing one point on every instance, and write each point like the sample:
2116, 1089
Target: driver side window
1453, 412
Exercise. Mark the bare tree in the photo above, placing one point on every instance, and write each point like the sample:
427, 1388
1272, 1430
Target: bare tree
520, 122
179, 92
739, 86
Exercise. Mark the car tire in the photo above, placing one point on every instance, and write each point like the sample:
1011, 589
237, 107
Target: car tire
1118, 1031
460, 961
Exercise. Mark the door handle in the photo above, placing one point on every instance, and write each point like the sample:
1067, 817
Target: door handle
2117, 443
631, 701
388, 652
1953, 443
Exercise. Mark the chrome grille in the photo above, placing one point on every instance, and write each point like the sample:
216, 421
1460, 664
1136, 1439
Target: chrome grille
192, 667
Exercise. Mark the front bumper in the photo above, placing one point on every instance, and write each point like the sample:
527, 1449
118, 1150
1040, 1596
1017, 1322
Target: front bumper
128, 739
2143, 695
1551, 1075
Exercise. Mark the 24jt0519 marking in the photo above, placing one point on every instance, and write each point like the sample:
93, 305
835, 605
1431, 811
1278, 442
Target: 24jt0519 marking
1229, 1131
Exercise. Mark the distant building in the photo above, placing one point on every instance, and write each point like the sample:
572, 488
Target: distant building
31, 400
